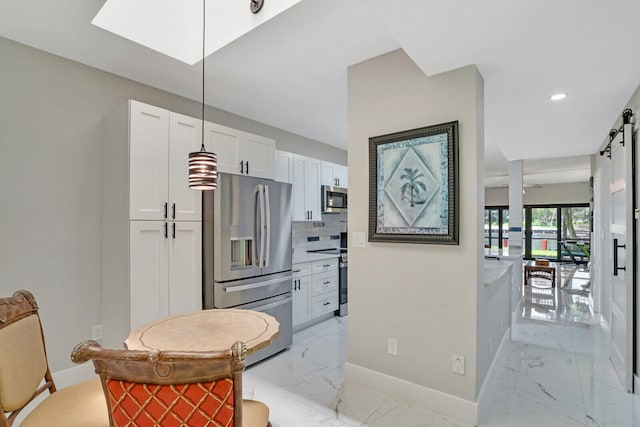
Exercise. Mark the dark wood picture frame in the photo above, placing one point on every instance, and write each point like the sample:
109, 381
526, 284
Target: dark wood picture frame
413, 179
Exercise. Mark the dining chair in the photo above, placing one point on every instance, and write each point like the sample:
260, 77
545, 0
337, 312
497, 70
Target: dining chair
173, 388
25, 374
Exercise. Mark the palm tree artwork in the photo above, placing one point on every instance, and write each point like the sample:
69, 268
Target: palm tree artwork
413, 190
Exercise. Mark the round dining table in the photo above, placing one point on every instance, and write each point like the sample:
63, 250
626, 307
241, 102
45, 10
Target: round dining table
206, 330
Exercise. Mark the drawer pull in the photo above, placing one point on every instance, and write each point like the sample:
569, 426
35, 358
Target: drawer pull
326, 283
326, 303
327, 265
297, 271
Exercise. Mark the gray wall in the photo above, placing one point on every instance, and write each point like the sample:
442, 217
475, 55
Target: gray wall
50, 166
423, 295
574, 192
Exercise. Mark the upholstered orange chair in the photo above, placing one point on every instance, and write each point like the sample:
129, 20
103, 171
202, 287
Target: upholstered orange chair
154, 388
24, 374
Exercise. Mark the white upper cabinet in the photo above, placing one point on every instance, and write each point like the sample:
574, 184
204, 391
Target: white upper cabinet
306, 188
334, 175
225, 142
185, 136
149, 159
159, 146
283, 167
259, 155
240, 153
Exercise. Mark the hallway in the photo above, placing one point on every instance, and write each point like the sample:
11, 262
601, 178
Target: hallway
553, 372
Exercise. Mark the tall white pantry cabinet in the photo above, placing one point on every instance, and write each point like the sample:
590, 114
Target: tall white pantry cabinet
151, 224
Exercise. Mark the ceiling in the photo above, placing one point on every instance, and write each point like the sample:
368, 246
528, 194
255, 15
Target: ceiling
291, 71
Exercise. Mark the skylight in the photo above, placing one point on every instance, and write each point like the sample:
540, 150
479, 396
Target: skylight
174, 28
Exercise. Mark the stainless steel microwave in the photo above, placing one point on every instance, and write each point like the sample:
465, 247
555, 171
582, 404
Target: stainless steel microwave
334, 199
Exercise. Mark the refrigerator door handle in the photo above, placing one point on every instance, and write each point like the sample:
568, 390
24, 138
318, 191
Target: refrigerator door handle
267, 201
256, 225
263, 240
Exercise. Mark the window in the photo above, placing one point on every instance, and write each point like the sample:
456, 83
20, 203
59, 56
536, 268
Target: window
554, 232
557, 232
496, 227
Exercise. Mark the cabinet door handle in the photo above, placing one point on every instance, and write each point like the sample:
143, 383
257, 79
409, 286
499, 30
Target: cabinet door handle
247, 164
326, 303
174, 211
173, 231
166, 230
241, 166
338, 182
327, 265
166, 208
327, 282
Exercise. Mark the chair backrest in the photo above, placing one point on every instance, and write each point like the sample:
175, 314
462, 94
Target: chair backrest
149, 388
23, 357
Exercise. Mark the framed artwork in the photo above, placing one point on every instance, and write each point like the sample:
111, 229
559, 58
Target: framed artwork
413, 179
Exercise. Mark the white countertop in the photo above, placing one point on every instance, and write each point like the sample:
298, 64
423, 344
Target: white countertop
494, 270
299, 257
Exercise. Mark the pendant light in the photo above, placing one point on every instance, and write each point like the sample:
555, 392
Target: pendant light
203, 166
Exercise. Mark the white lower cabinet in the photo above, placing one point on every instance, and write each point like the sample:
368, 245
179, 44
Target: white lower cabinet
315, 291
301, 292
165, 270
148, 274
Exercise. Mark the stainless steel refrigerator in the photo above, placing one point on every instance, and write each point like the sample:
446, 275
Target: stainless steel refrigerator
247, 251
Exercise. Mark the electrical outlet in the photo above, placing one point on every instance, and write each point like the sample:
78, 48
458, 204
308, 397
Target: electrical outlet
458, 364
358, 239
96, 332
392, 346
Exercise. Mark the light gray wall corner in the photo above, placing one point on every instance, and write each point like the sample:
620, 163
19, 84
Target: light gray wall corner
409, 291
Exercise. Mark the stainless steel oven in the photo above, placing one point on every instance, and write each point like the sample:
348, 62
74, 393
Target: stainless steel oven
334, 199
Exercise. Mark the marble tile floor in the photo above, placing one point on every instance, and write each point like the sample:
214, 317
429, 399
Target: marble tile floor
569, 302
549, 374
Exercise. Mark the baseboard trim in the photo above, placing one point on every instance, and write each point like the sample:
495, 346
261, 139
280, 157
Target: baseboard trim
74, 375
453, 406
484, 397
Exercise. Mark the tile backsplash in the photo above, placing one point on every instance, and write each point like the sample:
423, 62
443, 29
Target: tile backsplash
319, 235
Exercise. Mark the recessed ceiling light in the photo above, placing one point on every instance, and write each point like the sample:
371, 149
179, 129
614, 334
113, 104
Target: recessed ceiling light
558, 96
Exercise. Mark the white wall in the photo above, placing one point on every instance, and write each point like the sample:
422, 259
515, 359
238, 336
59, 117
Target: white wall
600, 166
50, 164
574, 192
423, 295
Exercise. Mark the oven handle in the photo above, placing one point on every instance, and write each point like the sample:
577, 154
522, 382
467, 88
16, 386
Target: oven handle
240, 288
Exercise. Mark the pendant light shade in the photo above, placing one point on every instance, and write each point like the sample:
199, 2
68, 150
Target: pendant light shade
203, 173
203, 166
